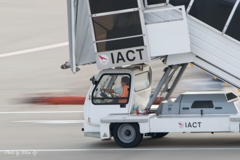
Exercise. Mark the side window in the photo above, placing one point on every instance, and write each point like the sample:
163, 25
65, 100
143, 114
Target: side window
112, 89
100, 6
151, 2
155, 3
142, 81
212, 12
180, 2
234, 25
202, 104
231, 96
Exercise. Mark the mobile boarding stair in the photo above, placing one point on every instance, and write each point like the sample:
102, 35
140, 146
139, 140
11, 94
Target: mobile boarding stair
156, 31
118, 33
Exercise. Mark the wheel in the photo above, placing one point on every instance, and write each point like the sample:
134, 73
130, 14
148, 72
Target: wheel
159, 135
127, 135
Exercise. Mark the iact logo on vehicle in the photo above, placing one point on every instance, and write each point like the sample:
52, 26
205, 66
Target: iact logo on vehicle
181, 124
121, 57
189, 124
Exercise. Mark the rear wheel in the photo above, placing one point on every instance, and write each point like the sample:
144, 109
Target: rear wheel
127, 135
159, 135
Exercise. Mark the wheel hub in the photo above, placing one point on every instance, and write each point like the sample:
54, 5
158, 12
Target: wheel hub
126, 133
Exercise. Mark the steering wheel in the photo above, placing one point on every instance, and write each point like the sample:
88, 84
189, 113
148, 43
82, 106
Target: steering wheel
104, 95
101, 94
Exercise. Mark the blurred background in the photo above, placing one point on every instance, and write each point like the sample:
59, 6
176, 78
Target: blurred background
39, 25
29, 24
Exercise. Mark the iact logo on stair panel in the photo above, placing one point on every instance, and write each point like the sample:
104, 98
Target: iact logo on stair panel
129, 56
103, 59
181, 124
122, 57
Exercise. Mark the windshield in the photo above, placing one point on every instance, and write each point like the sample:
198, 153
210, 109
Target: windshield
112, 89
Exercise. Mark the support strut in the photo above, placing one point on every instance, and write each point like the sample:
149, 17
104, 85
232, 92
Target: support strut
173, 86
166, 78
159, 86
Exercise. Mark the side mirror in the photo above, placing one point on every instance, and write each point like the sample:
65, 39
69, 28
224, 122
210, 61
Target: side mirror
94, 81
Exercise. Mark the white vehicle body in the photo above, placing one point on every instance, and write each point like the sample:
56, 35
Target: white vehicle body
173, 115
93, 113
117, 33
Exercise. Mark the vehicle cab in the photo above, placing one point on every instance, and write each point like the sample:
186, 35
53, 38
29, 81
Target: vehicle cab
105, 97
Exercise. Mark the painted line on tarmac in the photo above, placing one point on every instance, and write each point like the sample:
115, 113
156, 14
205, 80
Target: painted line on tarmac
52, 121
34, 49
128, 149
36, 112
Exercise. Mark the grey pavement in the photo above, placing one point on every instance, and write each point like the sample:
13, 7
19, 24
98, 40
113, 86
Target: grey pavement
26, 24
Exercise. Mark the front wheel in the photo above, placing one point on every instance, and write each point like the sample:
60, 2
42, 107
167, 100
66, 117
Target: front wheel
127, 135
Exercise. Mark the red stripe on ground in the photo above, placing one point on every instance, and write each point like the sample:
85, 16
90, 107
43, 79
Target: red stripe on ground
69, 100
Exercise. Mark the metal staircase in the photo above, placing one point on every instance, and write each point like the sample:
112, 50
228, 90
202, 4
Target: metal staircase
214, 40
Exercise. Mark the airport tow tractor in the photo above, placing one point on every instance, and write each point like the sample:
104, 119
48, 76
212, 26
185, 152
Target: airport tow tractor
122, 37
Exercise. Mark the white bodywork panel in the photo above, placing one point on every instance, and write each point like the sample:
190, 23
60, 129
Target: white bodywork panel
91, 128
192, 123
166, 39
167, 36
142, 120
175, 123
105, 131
180, 58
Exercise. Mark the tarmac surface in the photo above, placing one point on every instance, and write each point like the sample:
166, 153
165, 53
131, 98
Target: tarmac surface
31, 131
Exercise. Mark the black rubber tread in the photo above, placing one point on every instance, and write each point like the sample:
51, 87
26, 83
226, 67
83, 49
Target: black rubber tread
134, 143
159, 135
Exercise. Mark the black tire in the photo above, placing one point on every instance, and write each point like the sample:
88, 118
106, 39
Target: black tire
127, 135
159, 135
